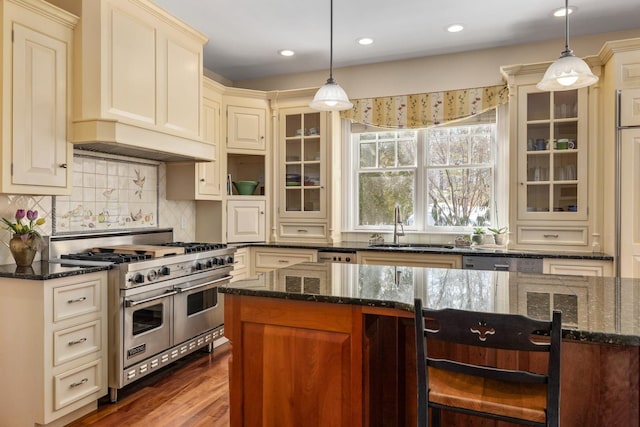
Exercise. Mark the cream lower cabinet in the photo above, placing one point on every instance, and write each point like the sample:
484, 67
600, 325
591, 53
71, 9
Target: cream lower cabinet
246, 220
36, 44
54, 361
576, 267
267, 259
241, 264
409, 259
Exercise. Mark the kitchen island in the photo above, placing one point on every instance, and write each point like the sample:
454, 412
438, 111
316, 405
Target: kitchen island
332, 344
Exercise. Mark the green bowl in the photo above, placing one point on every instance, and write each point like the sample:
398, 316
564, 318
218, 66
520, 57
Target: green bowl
245, 188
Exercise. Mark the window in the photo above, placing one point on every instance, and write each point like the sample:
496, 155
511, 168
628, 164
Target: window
442, 177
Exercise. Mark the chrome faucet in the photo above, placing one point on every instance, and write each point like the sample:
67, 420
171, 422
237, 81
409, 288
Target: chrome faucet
397, 221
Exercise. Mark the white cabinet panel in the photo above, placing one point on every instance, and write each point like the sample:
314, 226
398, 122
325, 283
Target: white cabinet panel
246, 128
630, 107
246, 220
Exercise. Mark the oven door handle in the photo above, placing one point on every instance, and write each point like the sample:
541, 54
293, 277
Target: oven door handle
132, 303
208, 283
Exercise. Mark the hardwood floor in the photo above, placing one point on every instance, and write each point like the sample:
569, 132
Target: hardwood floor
192, 392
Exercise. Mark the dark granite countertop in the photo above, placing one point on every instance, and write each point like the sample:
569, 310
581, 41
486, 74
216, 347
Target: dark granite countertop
421, 248
603, 310
43, 270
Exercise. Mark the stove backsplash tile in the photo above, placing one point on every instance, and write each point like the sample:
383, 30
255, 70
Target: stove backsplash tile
106, 190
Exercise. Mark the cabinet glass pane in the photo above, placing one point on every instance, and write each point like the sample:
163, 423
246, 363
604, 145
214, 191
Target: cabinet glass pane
311, 174
293, 125
294, 200
538, 106
293, 175
538, 198
312, 148
565, 104
312, 124
565, 198
537, 167
565, 165
312, 200
537, 136
293, 151
566, 130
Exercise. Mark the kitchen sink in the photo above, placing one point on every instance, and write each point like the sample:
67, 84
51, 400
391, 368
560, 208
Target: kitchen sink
412, 245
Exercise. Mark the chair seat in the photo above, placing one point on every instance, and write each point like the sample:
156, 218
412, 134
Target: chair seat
518, 400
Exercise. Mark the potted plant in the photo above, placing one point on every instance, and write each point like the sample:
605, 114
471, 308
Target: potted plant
499, 235
478, 235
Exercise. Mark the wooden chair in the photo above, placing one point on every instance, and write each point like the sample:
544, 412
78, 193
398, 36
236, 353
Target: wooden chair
517, 396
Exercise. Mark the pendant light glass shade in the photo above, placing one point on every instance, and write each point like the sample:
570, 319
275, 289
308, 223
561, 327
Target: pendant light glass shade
568, 71
331, 97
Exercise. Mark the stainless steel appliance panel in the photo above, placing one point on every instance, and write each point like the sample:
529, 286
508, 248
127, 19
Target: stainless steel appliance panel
198, 307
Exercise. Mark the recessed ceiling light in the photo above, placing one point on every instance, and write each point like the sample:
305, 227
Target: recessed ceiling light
286, 52
560, 12
455, 28
364, 41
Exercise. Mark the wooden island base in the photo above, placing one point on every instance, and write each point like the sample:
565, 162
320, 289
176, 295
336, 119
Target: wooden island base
305, 363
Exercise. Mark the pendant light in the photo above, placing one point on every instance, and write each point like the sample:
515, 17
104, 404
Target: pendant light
568, 71
331, 97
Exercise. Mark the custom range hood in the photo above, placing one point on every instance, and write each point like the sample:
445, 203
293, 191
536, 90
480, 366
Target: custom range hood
137, 82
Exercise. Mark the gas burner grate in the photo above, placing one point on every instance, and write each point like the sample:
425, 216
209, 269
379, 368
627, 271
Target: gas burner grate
190, 247
107, 256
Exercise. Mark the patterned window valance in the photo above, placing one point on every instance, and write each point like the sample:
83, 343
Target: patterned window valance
426, 109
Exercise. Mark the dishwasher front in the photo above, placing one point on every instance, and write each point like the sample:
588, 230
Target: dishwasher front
500, 263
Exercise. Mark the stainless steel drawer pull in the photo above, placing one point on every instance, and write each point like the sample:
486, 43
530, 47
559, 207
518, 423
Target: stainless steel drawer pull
283, 261
71, 301
302, 230
80, 341
501, 266
555, 236
78, 384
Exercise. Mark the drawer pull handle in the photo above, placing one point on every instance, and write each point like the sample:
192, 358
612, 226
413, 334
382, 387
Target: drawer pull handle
302, 230
283, 261
81, 299
78, 384
80, 341
555, 236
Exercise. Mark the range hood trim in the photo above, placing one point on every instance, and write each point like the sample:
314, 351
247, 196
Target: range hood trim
116, 137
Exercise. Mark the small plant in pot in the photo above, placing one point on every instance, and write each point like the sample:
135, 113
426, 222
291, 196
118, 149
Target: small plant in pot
499, 235
478, 235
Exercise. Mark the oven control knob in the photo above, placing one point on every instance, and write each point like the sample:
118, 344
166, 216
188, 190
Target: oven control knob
210, 263
165, 271
200, 266
137, 278
152, 275
219, 261
228, 260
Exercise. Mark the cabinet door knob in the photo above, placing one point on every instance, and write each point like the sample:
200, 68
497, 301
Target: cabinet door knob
63, 165
201, 179
261, 212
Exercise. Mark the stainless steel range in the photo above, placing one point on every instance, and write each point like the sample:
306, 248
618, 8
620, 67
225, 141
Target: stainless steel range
163, 296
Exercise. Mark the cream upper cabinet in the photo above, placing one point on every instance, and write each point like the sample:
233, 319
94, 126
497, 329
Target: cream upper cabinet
246, 128
246, 220
138, 89
202, 180
36, 154
550, 140
308, 172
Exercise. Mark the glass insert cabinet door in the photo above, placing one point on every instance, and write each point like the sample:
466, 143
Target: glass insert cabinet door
303, 169
552, 142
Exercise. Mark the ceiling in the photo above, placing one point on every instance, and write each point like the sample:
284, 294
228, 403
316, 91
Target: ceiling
246, 35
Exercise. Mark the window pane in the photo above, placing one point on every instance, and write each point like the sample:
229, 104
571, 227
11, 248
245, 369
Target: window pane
380, 192
481, 143
407, 153
368, 155
459, 150
438, 151
459, 197
387, 155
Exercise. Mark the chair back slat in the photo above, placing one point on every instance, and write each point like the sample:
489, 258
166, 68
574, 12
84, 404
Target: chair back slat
494, 330
487, 371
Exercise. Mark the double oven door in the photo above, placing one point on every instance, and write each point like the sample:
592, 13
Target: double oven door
160, 316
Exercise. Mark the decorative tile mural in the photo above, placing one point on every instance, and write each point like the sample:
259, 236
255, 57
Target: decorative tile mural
108, 194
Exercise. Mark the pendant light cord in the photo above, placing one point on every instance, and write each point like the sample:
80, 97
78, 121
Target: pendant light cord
330, 80
567, 50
